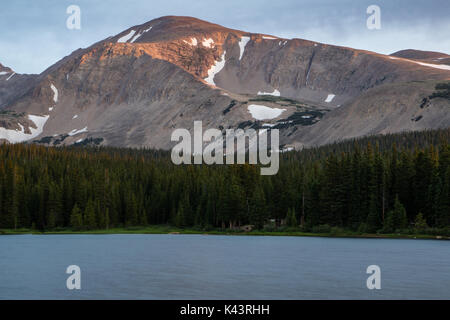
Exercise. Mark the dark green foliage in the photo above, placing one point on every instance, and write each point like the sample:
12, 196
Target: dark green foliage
76, 218
373, 218
60, 140
270, 98
231, 105
443, 91
291, 220
420, 224
11, 113
385, 183
396, 219
245, 124
304, 118
90, 142
89, 219
44, 140
258, 208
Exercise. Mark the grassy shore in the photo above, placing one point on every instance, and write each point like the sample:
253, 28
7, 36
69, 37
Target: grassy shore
173, 230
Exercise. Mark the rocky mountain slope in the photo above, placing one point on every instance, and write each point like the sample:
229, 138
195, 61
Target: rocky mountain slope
12, 85
425, 56
135, 88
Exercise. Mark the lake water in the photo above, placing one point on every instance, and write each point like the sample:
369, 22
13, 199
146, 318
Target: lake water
221, 267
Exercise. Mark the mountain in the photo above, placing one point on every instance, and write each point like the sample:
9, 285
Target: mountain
135, 88
12, 84
426, 56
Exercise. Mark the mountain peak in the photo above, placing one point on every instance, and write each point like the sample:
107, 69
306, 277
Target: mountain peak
169, 28
419, 54
183, 22
134, 88
5, 69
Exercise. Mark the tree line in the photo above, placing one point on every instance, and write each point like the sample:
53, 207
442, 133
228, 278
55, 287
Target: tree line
375, 184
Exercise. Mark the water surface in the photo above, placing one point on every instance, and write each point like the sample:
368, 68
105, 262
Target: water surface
221, 267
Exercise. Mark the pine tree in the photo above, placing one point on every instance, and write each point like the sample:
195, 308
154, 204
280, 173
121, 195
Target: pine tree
54, 208
291, 220
131, 212
90, 221
76, 218
258, 208
443, 201
180, 218
107, 219
396, 219
373, 218
420, 223
101, 219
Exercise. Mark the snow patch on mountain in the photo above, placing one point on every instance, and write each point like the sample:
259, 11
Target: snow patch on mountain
3, 73
16, 136
269, 38
260, 112
215, 69
330, 98
193, 42
209, 43
242, 44
137, 36
10, 76
55, 92
126, 37
275, 93
430, 65
75, 131
436, 66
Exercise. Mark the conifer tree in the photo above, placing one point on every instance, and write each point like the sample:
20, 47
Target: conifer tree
89, 219
396, 218
258, 209
373, 218
420, 223
76, 218
180, 218
291, 220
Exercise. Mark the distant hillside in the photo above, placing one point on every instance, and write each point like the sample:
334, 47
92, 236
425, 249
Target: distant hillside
426, 56
418, 54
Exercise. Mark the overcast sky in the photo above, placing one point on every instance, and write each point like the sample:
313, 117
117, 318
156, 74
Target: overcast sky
34, 35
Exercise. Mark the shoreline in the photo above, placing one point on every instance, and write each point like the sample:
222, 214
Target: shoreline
176, 231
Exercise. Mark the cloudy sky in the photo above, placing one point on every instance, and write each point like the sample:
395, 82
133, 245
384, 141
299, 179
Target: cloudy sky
34, 33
